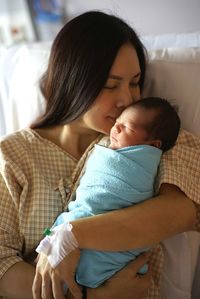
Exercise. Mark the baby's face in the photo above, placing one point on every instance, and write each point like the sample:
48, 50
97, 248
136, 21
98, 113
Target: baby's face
129, 128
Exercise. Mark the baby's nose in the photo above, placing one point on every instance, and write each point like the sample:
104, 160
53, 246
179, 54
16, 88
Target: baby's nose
117, 127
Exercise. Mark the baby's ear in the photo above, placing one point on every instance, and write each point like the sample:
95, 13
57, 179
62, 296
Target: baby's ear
157, 143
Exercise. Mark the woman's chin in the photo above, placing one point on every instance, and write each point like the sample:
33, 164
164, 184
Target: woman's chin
106, 130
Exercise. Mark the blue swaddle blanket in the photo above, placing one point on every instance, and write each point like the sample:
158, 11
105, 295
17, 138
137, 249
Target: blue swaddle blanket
113, 179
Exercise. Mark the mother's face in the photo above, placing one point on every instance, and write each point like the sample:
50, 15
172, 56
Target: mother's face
121, 90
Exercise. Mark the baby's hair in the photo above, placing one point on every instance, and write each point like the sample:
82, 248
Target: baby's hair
165, 126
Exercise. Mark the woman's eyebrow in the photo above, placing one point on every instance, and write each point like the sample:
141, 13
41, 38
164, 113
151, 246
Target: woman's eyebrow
116, 77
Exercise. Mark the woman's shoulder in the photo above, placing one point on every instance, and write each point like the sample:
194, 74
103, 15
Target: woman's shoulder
16, 141
16, 136
188, 139
180, 166
21, 145
186, 150
187, 146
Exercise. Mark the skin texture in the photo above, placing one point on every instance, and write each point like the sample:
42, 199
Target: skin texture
130, 129
121, 89
21, 276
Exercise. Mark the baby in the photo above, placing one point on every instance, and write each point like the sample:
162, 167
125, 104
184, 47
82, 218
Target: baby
120, 176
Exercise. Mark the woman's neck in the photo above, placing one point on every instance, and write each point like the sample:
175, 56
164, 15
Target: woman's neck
72, 139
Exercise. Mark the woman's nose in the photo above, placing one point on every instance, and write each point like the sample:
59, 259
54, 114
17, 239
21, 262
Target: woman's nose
128, 96
136, 95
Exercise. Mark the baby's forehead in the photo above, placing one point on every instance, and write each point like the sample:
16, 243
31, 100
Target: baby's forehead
131, 110
138, 114
135, 109
130, 115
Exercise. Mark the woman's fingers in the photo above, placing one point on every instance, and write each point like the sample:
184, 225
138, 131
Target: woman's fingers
46, 287
48, 281
133, 269
37, 286
141, 282
74, 289
42, 287
126, 283
67, 270
135, 265
57, 288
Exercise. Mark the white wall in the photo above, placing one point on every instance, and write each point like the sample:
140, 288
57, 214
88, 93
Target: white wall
15, 22
147, 16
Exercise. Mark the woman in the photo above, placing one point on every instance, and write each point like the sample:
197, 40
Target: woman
96, 69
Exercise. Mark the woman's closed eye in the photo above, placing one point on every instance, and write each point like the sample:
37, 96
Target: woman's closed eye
113, 82
134, 84
114, 86
111, 86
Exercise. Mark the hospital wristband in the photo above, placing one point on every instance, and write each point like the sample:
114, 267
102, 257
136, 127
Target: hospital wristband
59, 242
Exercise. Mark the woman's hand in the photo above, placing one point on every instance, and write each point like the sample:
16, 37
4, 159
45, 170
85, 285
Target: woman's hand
48, 282
126, 284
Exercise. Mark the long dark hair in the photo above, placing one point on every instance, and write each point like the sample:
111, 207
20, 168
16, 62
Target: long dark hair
79, 64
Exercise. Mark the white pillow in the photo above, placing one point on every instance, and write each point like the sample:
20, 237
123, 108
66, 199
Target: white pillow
175, 75
172, 40
21, 101
171, 73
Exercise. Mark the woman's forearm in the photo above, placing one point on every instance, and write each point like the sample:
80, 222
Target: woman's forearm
141, 225
17, 281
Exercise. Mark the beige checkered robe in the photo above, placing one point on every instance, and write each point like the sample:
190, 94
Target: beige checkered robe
37, 178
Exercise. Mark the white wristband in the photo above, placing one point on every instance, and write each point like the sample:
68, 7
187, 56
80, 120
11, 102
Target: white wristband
59, 244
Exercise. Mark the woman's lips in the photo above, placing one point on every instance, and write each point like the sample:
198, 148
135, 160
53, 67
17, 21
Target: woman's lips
113, 119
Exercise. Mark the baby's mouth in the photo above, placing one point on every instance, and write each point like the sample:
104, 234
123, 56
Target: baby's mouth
113, 138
